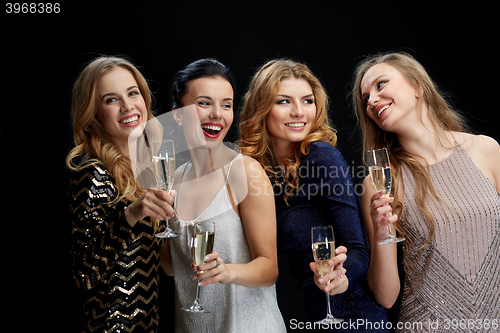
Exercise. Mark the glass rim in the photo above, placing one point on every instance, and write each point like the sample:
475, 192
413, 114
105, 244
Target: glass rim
322, 227
377, 149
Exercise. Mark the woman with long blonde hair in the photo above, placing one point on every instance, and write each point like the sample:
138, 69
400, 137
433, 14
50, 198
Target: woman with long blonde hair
444, 199
284, 125
115, 256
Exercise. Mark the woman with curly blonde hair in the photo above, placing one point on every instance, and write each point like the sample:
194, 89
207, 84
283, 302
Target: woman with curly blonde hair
284, 125
114, 252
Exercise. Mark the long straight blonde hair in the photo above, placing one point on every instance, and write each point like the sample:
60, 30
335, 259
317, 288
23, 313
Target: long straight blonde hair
255, 139
93, 145
443, 118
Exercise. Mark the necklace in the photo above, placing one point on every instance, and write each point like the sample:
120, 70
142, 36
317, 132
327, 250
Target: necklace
277, 178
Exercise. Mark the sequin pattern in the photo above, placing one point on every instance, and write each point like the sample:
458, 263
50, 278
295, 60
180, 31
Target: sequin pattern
457, 276
117, 265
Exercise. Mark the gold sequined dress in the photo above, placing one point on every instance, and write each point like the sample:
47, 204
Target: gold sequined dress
116, 264
453, 283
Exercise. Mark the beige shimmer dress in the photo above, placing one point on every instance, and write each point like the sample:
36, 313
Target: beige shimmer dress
453, 283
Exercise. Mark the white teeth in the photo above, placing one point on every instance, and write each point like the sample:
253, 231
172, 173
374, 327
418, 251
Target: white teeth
211, 127
382, 110
130, 120
295, 124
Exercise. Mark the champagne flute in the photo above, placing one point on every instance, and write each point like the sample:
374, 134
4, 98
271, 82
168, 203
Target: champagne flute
202, 244
380, 174
323, 247
164, 170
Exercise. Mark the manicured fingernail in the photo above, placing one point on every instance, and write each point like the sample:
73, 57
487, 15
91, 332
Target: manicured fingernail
195, 277
207, 258
195, 269
201, 283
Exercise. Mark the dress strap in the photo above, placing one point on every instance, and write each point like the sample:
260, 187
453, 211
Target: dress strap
230, 193
229, 169
179, 185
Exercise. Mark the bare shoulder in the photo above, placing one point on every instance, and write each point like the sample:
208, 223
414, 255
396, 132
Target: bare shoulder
485, 153
478, 144
252, 166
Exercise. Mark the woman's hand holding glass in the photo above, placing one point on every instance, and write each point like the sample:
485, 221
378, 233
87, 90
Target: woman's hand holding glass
381, 214
154, 203
337, 277
213, 270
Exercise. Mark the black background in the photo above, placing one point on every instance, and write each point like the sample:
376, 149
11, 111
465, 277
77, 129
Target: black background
42, 54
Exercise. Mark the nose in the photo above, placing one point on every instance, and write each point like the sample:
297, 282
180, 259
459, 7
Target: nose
297, 110
373, 101
126, 105
215, 113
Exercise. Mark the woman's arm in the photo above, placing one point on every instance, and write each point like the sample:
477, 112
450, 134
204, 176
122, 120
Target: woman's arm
257, 213
100, 232
383, 276
337, 199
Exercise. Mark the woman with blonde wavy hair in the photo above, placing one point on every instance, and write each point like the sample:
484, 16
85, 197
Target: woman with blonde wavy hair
284, 125
444, 199
115, 256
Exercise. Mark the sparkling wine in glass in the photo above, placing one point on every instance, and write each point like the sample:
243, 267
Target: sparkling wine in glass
380, 174
323, 247
202, 244
164, 170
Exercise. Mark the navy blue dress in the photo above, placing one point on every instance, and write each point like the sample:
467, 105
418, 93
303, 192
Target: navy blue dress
326, 197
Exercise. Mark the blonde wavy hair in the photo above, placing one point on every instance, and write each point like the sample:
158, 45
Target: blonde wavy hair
255, 139
93, 145
443, 118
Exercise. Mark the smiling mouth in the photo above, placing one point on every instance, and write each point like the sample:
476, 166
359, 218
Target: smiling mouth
295, 125
212, 131
381, 111
130, 121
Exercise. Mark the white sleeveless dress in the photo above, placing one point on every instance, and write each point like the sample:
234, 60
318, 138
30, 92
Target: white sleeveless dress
233, 308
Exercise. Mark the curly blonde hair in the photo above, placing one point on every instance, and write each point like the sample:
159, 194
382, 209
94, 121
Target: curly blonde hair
93, 145
255, 139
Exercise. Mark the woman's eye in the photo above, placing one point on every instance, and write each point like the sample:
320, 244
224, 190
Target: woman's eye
203, 103
380, 84
134, 93
308, 101
110, 100
227, 106
283, 101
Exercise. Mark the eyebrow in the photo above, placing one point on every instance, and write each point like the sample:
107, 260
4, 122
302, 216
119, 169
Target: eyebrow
113, 93
286, 96
210, 98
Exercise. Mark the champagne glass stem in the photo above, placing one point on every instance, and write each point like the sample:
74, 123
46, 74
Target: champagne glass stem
390, 231
197, 298
329, 309
169, 229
